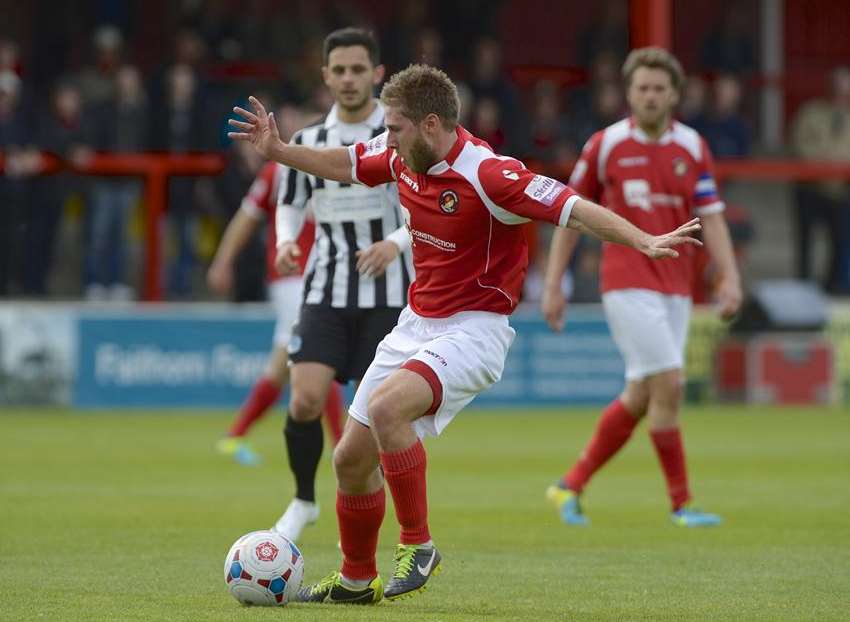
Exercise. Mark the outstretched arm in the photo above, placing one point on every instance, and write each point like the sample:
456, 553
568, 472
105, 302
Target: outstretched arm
553, 304
604, 224
719, 245
238, 232
259, 129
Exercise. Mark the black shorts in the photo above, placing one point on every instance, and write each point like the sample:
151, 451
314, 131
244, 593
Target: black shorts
345, 339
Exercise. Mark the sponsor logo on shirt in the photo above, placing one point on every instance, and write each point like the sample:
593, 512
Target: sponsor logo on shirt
633, 161
449, 201
427, 238
410, 182
637, 194
375, 146
512, 175
544, 189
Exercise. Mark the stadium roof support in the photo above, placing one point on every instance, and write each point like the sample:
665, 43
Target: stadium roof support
651, 23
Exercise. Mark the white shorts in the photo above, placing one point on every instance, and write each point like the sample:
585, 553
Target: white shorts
466, 352
649, 328
285, 295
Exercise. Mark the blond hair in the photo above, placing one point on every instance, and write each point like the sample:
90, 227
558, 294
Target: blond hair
653, 58
421, 90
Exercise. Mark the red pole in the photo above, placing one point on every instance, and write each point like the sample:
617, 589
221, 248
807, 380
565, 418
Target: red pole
650, 23
156, 197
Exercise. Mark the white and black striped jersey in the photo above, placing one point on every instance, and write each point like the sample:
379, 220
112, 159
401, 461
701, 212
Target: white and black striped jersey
349, 217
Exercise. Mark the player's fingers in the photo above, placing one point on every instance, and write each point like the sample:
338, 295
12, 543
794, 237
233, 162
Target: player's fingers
689, 240
273, 125
238, 136
241, 125
247, 114
258, 107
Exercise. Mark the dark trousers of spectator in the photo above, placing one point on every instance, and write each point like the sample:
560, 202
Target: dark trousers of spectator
12, 198
111, 205
182, 222
812, 209
42, 222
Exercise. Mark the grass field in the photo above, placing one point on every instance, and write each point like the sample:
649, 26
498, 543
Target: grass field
122, 516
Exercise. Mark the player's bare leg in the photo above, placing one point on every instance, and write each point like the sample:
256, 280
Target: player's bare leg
263, 396
613, 430
393, 407
360, 507
310, 383
665, 398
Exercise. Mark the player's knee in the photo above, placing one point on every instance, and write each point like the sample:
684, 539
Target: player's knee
350, 464
667, 389
383, 410
305, 405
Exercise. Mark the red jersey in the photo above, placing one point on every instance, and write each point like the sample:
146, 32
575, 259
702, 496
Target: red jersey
467, 252
658, 186
261, 202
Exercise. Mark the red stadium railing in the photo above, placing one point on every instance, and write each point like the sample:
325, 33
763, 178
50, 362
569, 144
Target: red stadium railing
156, 168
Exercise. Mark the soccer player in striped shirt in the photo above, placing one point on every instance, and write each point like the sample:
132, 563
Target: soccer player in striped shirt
461, 203
657, 173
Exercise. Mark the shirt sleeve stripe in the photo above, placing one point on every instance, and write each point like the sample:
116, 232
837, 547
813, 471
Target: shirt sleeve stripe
567, 210
712, 208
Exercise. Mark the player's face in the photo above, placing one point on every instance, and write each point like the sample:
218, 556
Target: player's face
651, 96
351, 77
407, 138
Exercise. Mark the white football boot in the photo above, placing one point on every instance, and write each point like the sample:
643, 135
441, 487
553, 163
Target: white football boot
298, 515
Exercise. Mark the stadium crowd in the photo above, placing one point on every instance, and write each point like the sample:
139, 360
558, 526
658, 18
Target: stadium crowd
93, 80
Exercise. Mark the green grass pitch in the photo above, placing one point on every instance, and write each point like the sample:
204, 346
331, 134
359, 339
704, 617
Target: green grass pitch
128, 516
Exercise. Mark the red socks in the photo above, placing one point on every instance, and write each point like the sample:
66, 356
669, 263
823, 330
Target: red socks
333, 412
613, 430
262, 396
671, 454
360, 518
404, 472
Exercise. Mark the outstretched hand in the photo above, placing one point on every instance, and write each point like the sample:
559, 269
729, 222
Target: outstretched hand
258, 128
661, 246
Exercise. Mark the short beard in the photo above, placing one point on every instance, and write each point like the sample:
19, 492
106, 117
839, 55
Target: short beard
422, 157
359, 105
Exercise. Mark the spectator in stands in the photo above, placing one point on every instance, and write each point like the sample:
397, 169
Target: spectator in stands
489, 81
549, 129
429, 47
726, 130
97, 81
63, 131
16, 147
122, 127
181, 129
603, 70
693, 109
488, 125
728, 48
608, 33
821, 131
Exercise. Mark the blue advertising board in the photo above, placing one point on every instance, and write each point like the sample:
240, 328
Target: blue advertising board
201, 358
579, 366
186, 359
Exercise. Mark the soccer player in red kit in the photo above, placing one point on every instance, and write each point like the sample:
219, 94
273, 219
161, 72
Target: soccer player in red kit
658, 174
258, 205
461, 203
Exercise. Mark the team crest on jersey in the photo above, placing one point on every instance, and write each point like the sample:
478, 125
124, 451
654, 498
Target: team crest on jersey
512, 175
680, 167
449, 201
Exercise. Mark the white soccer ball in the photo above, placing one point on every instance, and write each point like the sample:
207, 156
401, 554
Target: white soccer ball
263, 568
